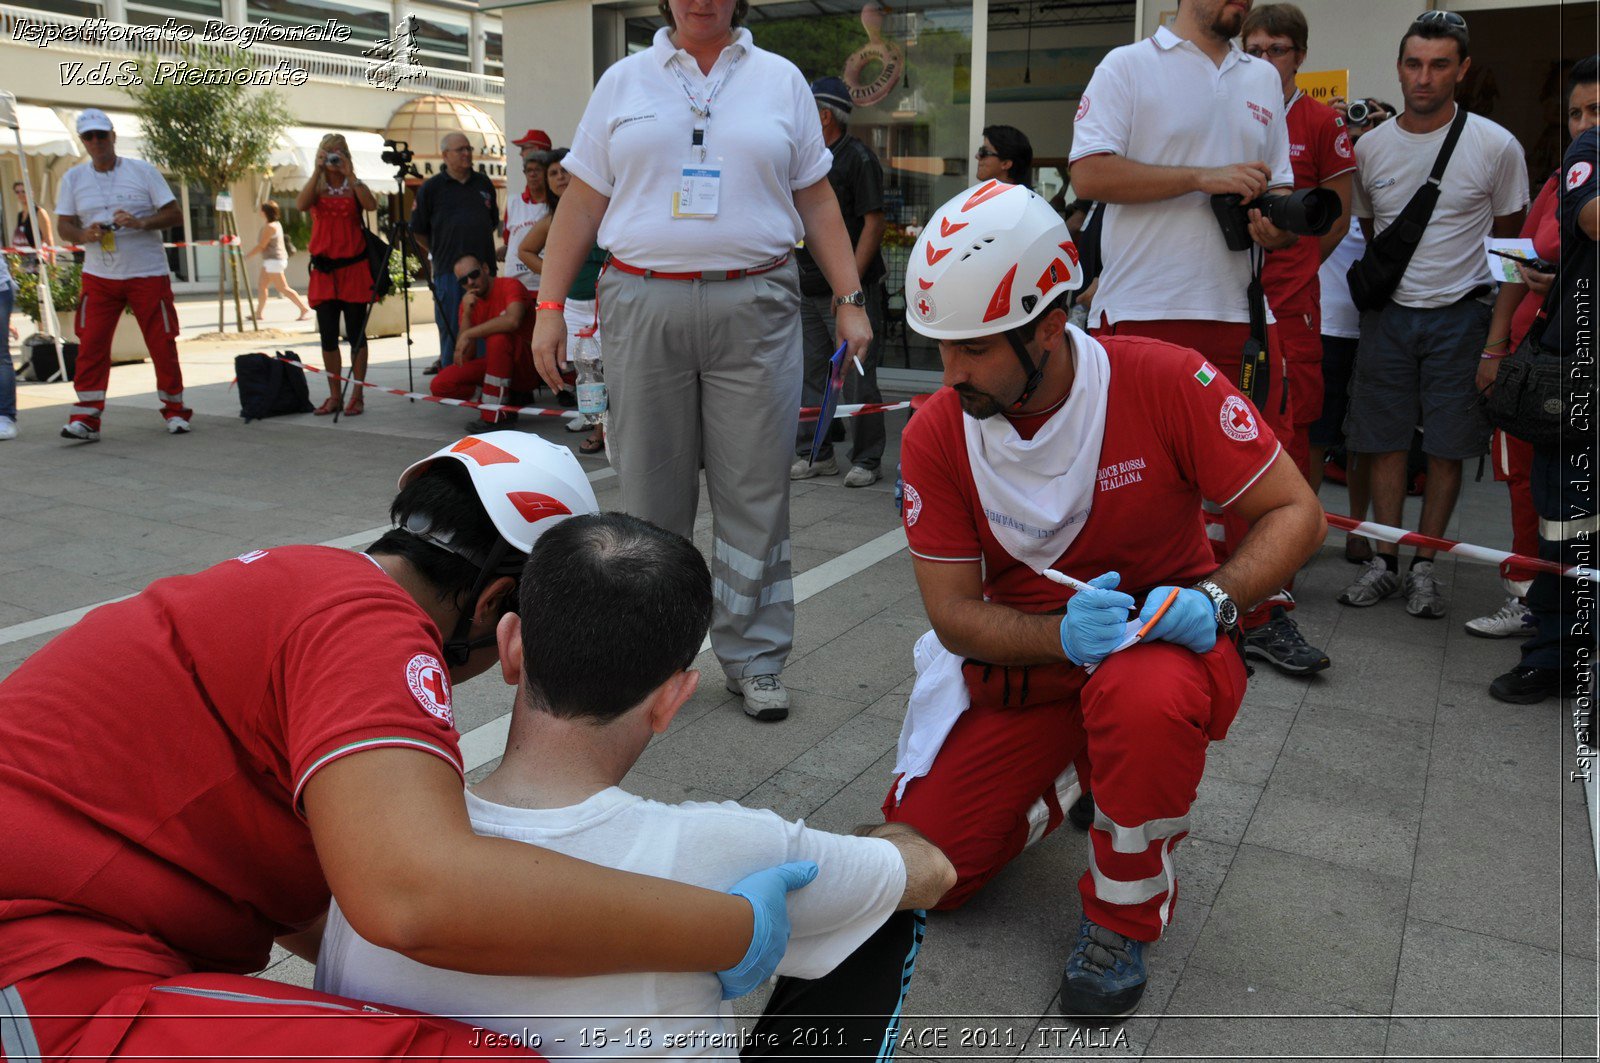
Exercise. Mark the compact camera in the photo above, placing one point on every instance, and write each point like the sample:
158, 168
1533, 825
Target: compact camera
1359, 113
1307, 212
333, 159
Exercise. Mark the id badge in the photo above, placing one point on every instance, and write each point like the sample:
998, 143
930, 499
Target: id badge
698, 192
108, 242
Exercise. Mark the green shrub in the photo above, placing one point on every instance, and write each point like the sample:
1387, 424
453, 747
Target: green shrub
66, 278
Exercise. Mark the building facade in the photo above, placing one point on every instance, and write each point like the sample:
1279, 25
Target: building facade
369, 69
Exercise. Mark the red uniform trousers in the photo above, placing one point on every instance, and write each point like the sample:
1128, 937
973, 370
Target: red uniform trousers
506, 366
1222, 343
1513, 464
100, 305
1300, 334
1135, 731
87, 1011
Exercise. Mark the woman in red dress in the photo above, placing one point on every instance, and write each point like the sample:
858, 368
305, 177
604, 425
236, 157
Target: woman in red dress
341, 282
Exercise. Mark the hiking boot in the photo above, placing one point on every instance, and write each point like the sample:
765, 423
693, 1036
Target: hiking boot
1280, 644
804, 470
764, 696
1374, 584
861, 476
80, 431
1512, 618
1105, 975
1526, 686
1423, 597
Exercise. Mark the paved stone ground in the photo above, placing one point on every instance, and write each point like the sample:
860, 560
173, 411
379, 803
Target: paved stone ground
1385, 863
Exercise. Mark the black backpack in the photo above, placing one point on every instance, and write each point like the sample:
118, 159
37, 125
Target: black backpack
269, 386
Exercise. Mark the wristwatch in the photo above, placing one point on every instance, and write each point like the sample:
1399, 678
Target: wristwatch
855, 298
1226, 609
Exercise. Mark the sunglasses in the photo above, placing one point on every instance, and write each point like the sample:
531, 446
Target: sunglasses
1276, 51
95, 134
474, 275
1447, 18
985, 153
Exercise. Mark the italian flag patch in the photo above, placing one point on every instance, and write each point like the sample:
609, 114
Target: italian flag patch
1205, 374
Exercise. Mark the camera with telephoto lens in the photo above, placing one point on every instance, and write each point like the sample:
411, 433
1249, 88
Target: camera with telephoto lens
1306, 211
399, 153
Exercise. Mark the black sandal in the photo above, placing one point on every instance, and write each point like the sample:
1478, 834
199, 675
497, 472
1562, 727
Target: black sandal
592, 445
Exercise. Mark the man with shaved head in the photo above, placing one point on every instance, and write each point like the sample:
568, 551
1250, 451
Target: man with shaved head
456, 215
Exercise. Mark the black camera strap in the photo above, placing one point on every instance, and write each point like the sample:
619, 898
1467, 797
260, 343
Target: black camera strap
1255, 368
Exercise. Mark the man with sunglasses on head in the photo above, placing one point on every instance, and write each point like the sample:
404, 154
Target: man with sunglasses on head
1418, 354
456, 214
494, 315
116, 208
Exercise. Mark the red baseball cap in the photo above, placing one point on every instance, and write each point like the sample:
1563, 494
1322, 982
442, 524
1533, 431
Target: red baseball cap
534, 138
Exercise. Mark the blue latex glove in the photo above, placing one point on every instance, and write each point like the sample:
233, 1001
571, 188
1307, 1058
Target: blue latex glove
1190, 623
1095, 621
767, 891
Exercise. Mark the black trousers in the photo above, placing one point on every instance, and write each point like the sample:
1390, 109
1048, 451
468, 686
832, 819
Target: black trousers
853, 1012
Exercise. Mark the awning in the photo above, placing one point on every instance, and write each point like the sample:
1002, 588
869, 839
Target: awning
43, 132
295, 156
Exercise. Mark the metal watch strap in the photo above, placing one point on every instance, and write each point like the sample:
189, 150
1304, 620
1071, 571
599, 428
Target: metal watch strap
855, 298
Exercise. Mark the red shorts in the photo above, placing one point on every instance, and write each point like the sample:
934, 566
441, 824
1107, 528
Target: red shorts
84, 1010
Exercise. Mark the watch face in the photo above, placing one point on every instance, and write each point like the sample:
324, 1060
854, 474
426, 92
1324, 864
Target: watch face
1228, 613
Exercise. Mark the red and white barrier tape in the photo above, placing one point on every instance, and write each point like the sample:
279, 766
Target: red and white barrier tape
227, 241
859, 409
1467, 551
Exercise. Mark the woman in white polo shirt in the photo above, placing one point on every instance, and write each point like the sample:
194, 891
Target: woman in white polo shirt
699, 164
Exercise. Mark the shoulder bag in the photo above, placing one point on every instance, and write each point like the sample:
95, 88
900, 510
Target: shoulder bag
1374, 277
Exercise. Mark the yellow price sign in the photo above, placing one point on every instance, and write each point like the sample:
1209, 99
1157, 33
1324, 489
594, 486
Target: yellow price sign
1324, 85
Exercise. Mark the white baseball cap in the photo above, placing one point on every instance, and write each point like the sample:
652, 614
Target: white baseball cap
91, 119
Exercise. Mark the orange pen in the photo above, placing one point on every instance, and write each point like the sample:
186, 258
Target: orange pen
1159, 614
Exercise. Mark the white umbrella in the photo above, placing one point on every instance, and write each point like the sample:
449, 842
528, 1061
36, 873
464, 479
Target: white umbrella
11, 117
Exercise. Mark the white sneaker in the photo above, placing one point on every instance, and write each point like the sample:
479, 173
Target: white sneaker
764, 696
1424, 600
8, 428
580, 423
803, 470
80, 431
1512, 618
177, 426
861, 476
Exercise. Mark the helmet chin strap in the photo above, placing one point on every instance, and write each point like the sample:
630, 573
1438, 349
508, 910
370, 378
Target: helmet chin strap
1035, 373
458, 647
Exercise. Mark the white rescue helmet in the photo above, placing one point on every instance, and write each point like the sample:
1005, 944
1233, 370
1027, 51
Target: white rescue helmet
987, 261
527, 485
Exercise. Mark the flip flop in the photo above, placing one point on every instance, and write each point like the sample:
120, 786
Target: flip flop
592, 445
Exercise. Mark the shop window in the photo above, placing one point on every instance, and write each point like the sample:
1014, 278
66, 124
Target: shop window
910, 73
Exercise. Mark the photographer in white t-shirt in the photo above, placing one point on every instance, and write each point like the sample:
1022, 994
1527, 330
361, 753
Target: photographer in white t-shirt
592, 691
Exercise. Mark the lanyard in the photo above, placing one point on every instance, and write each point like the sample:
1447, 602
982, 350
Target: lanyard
702, 111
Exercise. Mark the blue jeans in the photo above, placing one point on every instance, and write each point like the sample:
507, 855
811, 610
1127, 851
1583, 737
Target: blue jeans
446, 311
8, 372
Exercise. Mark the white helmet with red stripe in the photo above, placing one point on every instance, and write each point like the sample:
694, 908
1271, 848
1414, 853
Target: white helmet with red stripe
989, 260
527, 484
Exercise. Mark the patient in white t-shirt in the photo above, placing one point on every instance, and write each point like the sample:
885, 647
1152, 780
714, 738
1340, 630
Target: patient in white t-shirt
592, 689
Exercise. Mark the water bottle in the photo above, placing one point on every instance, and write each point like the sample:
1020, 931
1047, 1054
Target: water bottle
591, 377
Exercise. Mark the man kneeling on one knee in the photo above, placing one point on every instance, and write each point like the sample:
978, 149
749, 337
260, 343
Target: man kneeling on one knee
592, 691
1051, 452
